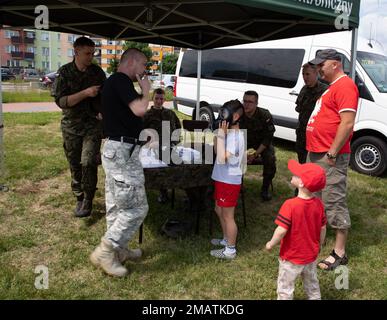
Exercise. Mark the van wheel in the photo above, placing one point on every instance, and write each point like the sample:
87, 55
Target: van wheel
369, 155
205, 114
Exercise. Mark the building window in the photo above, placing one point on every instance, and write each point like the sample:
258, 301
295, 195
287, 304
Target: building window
46, 65
70, 52
110, 42
109, 51
45, 36
71, 38
58, 36
11, 33
45, 51
30, 35
9, 49
31, 49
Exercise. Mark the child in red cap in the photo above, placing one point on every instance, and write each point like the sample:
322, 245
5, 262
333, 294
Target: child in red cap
301, 229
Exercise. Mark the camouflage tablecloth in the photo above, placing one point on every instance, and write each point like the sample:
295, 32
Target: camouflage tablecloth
180, 176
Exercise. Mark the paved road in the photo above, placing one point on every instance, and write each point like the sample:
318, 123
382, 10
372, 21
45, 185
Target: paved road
45, 106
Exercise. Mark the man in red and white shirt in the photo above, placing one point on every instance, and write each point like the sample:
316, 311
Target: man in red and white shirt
328, 135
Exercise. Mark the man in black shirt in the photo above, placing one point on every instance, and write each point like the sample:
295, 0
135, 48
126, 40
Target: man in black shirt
126, 202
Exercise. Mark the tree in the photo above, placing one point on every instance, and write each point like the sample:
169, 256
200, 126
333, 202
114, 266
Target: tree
169, 63
113, 66
143, 47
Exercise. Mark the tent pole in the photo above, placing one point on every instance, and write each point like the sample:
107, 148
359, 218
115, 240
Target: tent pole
199, 74
1, 128
353, 53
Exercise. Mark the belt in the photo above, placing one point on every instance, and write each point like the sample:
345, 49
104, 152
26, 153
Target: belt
126, 139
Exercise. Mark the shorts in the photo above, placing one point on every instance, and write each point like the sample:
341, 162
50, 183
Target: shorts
225, 194
334, 195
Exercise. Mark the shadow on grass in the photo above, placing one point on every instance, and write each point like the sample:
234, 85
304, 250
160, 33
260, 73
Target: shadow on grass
98, 213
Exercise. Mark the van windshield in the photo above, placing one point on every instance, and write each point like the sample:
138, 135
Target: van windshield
376, 67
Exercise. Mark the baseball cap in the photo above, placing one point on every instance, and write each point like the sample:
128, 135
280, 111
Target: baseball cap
311, 174
323, 55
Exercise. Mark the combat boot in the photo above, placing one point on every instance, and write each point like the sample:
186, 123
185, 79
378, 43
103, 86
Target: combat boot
129, 254
106, 257
78, 206
85, 210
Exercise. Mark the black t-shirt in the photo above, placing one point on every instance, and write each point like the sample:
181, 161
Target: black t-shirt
118, 119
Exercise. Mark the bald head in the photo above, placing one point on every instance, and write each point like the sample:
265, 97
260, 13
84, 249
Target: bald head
133, 62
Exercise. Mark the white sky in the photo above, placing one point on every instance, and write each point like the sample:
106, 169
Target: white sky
373, 21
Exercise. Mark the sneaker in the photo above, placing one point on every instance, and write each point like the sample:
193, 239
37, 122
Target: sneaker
220, 253
219, 242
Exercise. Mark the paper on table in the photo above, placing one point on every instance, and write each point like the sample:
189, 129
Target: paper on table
149, 160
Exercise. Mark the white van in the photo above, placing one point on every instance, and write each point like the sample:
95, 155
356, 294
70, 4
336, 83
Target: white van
273, 69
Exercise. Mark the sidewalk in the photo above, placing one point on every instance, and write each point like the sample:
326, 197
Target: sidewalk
47, 106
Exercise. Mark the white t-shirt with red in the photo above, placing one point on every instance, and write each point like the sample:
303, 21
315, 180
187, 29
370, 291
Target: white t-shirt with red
342, 95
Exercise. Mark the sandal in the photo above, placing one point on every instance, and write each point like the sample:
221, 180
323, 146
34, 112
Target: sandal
333, 265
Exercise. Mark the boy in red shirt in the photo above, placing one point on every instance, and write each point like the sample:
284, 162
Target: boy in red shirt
301, 229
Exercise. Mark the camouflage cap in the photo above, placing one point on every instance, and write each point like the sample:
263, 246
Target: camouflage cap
323, 55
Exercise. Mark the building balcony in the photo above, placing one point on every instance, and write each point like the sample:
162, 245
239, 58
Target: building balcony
20, 40
29, 55
29, 40
17, 54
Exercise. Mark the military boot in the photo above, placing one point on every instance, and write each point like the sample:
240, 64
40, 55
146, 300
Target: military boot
78, 206
129, 254
106, 257
87, 206
265, 193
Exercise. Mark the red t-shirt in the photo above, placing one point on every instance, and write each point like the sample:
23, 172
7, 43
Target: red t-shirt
341, 95
303, 218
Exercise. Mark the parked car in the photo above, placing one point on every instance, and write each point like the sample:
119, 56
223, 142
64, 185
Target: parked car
167, 82
48, 79
31, 75
6, 75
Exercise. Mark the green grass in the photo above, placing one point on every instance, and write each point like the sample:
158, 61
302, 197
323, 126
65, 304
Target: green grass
27, 96
37, 228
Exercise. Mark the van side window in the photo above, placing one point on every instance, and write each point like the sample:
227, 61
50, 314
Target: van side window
189, 64
275, 67
270, 67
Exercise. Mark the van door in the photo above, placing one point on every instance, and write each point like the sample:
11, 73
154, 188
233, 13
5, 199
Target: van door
276, 75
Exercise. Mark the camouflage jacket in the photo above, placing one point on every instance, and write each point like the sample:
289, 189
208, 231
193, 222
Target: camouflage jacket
80, 118
306, 101
153, 119
260, 128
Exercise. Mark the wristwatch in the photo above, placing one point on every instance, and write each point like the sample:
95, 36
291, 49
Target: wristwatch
331, 156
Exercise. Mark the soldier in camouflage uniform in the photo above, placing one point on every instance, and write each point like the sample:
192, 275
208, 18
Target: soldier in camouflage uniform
76, 92
260, 131
154, 119
126, 202
309, 94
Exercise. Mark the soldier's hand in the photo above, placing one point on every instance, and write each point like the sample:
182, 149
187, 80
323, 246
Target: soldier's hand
99, 116
92, 91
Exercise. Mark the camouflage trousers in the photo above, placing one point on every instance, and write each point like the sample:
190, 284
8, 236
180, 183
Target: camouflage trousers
126, 202
287, 275
81, 153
